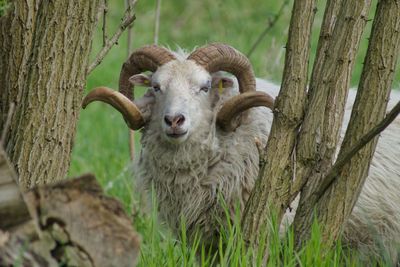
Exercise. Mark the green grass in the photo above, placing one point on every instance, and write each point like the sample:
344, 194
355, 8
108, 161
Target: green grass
161, 248
101, 143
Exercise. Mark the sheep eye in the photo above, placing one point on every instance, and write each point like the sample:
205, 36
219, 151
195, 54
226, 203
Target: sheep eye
204, 89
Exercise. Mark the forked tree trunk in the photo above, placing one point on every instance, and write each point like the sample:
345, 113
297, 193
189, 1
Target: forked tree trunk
44, 49
335, 203
300, 153
319, 135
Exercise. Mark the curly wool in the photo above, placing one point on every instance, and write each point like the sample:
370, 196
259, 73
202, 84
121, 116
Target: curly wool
188, 178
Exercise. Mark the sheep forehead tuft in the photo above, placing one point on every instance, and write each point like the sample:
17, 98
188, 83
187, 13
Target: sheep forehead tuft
180, 53
176, 71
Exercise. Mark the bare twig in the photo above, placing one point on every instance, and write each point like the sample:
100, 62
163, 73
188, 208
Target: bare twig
365, 139
128, 19
129, 31
105, 10
271, 23
157, 21
156, 32
128, 52
7, 124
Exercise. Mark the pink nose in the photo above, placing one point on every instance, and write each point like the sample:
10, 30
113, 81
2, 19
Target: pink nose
174, 121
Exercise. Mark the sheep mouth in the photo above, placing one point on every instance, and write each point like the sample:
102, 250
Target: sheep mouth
176, 135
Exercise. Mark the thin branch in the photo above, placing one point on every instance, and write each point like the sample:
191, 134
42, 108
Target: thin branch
7, 124
105, 10
271, 23
128, 19
365, 139
157, 21
128, 52
129, 32
129, 36
156, 33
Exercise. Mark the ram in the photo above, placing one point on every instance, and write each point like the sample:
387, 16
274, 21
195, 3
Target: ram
198, 142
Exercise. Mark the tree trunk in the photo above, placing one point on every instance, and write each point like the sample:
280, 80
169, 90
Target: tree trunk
271, 193
305, 150
336, 202
44, 51
301, 158
320, 130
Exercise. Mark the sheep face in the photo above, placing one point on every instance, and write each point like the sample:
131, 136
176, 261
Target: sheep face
190, 77
183, 100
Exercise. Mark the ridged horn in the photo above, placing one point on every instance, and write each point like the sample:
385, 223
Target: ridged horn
216, 57
147, 58
240, 103
221, 57
132, 115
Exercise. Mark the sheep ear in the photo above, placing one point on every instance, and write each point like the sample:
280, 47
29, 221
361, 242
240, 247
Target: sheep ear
221, 83
140, 80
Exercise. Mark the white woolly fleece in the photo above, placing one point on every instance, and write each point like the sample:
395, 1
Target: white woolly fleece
188, 177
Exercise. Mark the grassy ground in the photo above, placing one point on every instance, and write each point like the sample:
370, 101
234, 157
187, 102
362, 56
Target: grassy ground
101, 142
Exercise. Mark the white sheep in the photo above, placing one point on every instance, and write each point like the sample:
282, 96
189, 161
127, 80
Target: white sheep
198, 143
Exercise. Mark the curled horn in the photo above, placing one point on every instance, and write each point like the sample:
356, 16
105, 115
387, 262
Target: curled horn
217, 57
240, 103
132, 115
147, 58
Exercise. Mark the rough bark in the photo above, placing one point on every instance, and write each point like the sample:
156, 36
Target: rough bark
323, 120
331, 77
336, 203
272, 190
44, 51
305, 157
